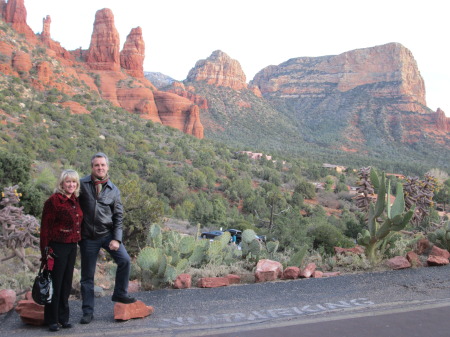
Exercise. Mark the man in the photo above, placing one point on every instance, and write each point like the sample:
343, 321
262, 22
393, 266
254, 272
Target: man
101, 228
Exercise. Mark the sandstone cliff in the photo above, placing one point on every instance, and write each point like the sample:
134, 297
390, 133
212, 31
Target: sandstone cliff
391, 67
15, 13
362, 97
219, 69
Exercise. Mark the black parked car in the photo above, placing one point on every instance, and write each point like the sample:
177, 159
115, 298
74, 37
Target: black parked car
211, 235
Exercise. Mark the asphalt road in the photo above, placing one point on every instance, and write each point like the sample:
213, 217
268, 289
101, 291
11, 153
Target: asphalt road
411, 302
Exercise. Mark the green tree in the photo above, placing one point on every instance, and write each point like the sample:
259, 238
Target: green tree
141, 210
14, 169
306, 189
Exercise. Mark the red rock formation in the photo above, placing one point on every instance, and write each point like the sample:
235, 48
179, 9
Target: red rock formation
46, 27
2, 7
103, 53
75, 108
55, 47
21, 62
179, 113
179, 89
219, 69
44, 73
442, 121
391, 65
133, 53
15, 13
132, 92
255, 90
139, 100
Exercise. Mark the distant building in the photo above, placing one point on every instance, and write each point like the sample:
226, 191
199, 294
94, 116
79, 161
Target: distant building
337, 168
319, 186
255, 155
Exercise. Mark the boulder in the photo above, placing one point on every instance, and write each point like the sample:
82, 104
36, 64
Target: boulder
137, 309
291, 273
308, 270
30, 312
436, 251
268, 270
233, 279
183, 281
213, 282
7, 300
398, 262
434, 260
414, 259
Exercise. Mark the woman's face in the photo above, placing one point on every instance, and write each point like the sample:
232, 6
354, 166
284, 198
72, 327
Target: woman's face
69, 186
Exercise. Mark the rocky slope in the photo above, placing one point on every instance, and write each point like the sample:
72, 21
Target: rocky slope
378, 87
368, 101
116, 75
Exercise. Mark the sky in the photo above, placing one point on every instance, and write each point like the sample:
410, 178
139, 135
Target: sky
259, 33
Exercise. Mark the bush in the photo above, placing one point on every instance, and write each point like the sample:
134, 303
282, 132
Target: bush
327, 237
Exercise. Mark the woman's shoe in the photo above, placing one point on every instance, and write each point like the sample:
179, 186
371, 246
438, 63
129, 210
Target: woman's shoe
53, 327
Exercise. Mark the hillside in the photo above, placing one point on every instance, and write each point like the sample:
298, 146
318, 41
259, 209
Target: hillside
363, 106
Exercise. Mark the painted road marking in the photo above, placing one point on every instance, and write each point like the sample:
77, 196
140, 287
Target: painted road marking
261, 315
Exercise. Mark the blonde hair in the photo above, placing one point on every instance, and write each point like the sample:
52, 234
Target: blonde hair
68, 174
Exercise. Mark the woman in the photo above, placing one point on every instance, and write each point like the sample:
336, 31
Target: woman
60, 233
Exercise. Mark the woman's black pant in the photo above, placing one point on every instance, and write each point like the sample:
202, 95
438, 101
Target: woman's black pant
62, 274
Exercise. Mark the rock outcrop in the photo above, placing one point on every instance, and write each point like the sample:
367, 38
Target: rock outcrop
138, 95
133, 53
189, 93
55, 48
387, 71
366, 96
103, 53
100, 68
179, 113
442, 121
219, 69
15, 13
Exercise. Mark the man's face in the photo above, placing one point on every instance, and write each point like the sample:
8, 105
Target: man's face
99, 167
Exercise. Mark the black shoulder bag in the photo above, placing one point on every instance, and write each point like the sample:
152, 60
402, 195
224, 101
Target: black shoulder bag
42, 291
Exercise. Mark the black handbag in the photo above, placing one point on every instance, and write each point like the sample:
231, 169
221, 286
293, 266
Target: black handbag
42, 291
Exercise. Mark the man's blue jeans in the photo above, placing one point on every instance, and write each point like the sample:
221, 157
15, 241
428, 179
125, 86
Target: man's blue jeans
89, 251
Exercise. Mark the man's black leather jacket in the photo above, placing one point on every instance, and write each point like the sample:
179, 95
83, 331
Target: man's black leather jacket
101, 214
